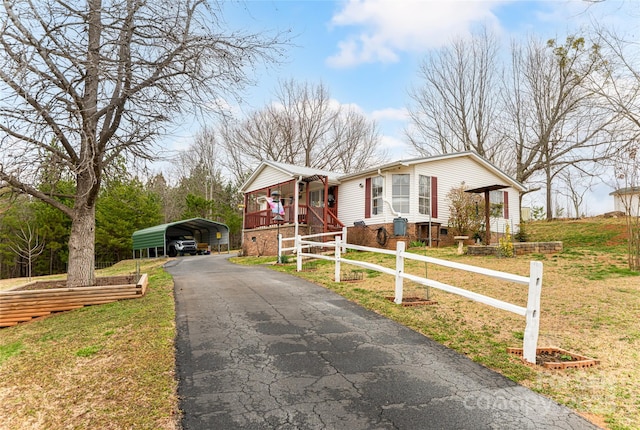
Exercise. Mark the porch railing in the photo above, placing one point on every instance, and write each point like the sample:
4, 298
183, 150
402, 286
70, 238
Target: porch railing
306, 215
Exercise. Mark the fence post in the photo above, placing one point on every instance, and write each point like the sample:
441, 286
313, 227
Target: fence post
298, 245
399, 271
279, 247
533, 312
344, 239
337, 257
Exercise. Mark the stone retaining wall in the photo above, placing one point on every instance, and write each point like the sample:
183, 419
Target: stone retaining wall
520, 248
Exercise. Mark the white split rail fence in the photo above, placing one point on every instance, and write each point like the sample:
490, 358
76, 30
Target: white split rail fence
531, 312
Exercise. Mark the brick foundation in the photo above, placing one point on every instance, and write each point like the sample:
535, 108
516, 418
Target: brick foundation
263, 241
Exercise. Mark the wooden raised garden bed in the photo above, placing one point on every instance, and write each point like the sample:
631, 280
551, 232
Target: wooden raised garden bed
43, 298
556, 358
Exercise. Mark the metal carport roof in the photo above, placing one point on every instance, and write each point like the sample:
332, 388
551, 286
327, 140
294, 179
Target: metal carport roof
204, 230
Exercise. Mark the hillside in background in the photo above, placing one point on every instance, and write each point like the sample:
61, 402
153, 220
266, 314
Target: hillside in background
603, 234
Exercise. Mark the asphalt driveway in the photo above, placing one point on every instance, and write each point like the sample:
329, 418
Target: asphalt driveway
258, 349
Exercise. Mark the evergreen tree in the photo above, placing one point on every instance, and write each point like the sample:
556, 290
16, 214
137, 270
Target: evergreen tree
123, 207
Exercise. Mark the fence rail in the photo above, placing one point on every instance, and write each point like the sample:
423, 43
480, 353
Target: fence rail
531, 312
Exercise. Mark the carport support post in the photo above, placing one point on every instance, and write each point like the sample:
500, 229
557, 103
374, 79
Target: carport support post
337, 257
533, 312
399, 272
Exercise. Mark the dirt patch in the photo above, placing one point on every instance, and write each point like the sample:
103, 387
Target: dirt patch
553, 357
100, 282
414, 301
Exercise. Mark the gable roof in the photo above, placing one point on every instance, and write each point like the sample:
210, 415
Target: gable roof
626, 190
290, 170
335, 178
413, 161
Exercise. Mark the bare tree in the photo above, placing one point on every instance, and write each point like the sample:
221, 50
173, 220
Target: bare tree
619, 81
303, 126
457, 105
101, 81
627, 182
575, 185
27, 246
555, 118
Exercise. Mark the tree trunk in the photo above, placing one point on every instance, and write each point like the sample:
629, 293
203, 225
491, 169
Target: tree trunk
549, 196
82, 240
81, 248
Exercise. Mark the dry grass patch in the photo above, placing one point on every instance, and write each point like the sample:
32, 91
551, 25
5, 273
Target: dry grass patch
100, 367
590, 305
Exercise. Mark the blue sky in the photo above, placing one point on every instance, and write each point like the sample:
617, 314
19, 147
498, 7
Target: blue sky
367, 52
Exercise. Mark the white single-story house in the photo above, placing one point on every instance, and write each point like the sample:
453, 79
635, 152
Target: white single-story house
403, 200
627, 200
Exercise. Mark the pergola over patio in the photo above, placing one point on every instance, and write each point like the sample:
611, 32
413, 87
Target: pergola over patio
487, 207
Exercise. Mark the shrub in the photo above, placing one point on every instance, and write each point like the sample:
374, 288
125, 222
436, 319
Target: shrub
465, 210
522, 235
505, 246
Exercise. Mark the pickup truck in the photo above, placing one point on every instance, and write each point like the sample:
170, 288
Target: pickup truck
182, 245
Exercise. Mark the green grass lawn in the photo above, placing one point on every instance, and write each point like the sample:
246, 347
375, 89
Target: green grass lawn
589, 305
100, 367
112, 366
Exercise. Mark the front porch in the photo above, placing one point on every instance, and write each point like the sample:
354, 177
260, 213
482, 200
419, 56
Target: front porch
321, 219
307, 205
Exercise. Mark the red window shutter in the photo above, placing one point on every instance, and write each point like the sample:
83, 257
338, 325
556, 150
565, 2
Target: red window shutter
367, 198
434, 197
506, 204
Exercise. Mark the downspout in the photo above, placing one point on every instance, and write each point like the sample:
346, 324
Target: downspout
430, 218
393, 211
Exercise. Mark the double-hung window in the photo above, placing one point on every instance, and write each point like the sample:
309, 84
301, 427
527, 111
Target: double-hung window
376, 195
424, 195
400, 192
499, 208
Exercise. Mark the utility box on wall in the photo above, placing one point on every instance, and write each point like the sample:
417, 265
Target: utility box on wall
400, 226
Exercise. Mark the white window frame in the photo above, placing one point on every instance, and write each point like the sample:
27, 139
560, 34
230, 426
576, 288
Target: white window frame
401, 192
377, 192
496, 197
424, 195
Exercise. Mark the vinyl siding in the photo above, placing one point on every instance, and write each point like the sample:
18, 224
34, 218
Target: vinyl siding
351, 202
450, 173
267, 178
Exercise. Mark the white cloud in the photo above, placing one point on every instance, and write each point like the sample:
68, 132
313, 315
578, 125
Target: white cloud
383, 28
390, 114
392, 143
394, 148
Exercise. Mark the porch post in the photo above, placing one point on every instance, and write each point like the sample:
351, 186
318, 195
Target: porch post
244, 211
487, 218
325, 208
296, 209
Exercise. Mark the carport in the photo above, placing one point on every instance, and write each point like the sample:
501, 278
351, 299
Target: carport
152, 241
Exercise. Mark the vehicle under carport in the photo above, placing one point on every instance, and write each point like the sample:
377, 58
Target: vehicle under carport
152, 241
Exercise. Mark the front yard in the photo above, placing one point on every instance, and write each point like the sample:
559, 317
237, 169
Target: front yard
590, 305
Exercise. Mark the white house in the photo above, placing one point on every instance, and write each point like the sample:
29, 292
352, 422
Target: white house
403, 200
